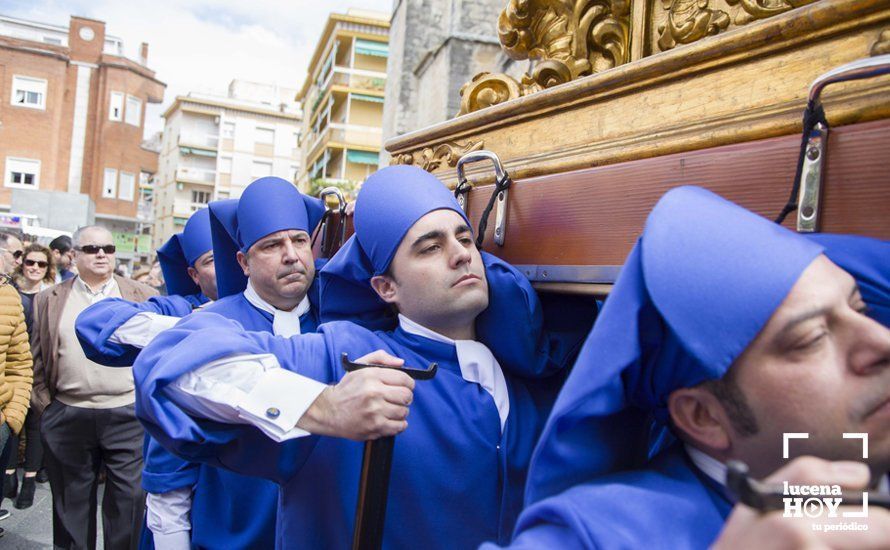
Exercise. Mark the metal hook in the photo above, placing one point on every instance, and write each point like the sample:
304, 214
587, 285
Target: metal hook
812, 162
501, 189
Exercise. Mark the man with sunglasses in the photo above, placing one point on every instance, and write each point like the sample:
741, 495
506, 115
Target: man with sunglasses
88, 409
10, 251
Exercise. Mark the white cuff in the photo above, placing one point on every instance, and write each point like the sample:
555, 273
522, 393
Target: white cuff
142, 328
172, 541
278, 401
167, 514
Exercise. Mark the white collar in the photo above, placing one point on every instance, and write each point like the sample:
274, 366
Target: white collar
284, 323
709, 465
477, 364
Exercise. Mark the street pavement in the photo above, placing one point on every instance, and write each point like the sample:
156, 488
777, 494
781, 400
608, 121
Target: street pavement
32, 528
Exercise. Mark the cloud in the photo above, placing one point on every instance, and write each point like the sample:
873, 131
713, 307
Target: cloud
201, 45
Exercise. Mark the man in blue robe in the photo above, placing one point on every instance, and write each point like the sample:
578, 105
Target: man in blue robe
265, 275
413, 275
113, 331
722, 332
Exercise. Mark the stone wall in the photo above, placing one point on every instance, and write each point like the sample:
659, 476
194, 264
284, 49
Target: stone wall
435, 46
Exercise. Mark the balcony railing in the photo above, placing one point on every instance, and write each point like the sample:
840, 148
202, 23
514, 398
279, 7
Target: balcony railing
348, 134
210, 141
197, 175
362, 80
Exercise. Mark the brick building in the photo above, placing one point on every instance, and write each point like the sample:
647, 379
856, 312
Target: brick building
72, 112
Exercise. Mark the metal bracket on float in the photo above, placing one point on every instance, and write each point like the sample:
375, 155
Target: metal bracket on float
502, 185
326, 220
813, 165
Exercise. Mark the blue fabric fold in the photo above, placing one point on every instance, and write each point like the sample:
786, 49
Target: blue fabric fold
182, 250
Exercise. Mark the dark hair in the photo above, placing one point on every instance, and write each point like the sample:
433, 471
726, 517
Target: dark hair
730, 395
61, 243
50, 276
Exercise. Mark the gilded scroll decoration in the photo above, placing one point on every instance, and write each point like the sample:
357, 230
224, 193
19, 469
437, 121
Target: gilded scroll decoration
750, 10
689, 21
882, 45
434, 157
568, 39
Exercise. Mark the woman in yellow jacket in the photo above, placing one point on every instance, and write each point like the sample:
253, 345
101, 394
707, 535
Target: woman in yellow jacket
16, 373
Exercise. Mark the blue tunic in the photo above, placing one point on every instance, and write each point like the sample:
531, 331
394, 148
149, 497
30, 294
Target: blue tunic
162, 471
231, 510
456, 481
670, 505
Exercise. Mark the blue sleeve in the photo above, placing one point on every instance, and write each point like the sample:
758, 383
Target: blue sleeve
96, 324
164, 471
552, 523
200, 339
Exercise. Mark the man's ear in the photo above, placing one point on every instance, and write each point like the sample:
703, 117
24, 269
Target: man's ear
385, 287
242, 261
701, 419
193, 273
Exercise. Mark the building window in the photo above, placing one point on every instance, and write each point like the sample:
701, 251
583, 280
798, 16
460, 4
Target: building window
109, 183
294, 170
125, 190
200, 197
264, 135
261, 169
225, 165
116, 106
29, 92
134, 110
228, 130
23, 173
145, 179
296, 142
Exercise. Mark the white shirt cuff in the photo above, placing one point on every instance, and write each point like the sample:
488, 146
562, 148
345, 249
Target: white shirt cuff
248, 389
278, 401
142, 328
167, 514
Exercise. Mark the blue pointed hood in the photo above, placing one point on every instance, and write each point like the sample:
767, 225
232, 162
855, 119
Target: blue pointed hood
182, 250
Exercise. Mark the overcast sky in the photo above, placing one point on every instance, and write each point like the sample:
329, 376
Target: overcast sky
201, 45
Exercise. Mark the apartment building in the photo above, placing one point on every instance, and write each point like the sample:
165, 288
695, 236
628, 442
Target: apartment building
72, 112
342, 100
214, 146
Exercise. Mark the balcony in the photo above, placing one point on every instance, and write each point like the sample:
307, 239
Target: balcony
185, 208
358, 79
198, 144
201, 176
348, 134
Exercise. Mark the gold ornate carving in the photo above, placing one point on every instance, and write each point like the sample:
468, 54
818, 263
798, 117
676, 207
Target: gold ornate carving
568, 38
751, 10
432, 158
688, 21
882, 45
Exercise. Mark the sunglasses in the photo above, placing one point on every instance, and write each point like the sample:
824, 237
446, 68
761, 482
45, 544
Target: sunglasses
17, 254
39, 263
93, 249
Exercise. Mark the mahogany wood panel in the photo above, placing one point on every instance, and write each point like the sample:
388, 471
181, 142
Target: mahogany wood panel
593, 216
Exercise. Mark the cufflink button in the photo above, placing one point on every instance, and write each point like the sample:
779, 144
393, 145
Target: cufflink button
272, 412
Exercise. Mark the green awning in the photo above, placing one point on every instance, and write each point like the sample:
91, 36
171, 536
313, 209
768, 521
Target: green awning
371, 98
362, 157
369, 47
196, 151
